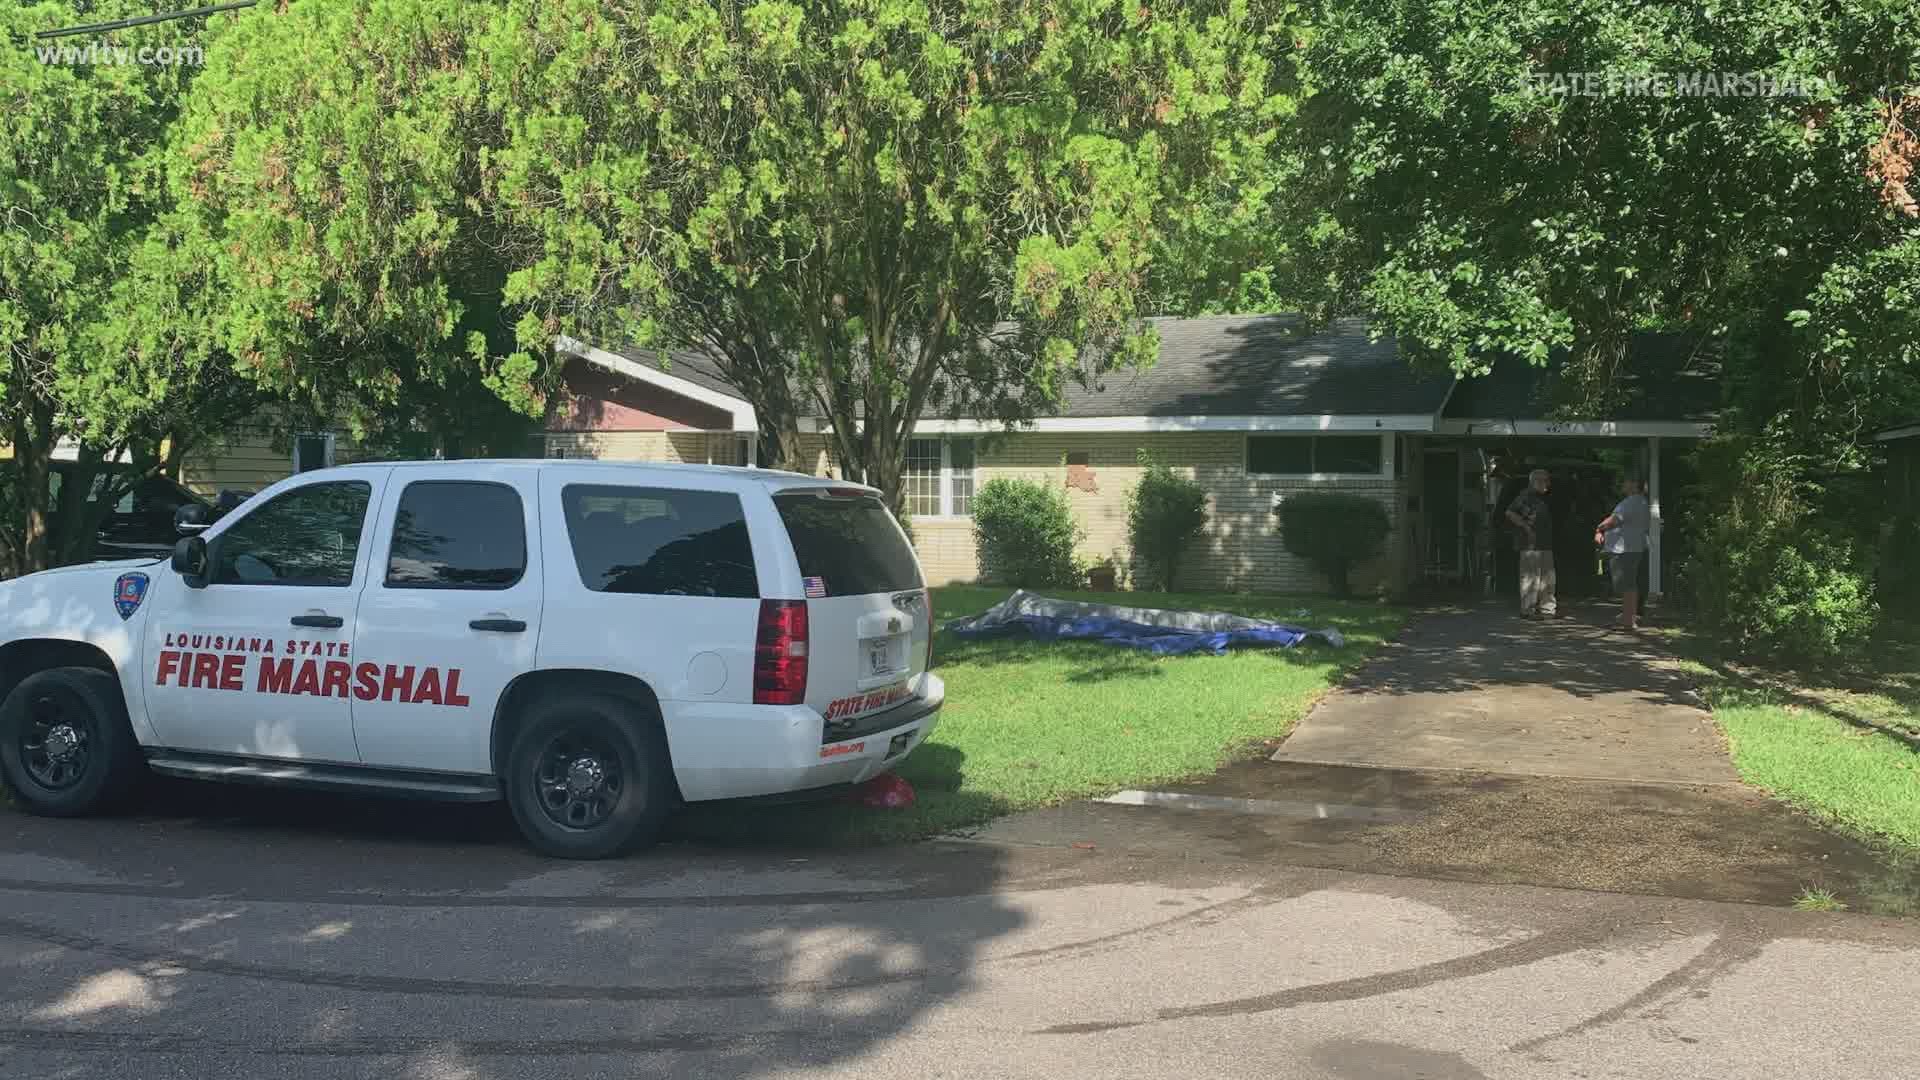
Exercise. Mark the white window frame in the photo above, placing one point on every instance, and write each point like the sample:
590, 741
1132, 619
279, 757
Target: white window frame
946, 476
327, 458
1386, 456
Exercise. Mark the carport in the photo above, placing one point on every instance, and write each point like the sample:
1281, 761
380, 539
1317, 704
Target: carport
1492, 430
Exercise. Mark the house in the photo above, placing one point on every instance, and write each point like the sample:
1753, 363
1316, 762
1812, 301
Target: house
1255, 408
1902, 445
250, 459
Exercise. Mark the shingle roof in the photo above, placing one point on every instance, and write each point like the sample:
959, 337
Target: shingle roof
1264, 365
696, 368
1666, 377
1273, 365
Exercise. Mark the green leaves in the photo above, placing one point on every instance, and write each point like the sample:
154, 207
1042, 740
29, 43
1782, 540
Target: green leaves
1479, 216
892, 208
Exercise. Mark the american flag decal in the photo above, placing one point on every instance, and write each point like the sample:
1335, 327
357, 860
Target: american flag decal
816, 587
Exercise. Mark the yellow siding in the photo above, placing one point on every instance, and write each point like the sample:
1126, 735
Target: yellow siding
677, 447
249, 461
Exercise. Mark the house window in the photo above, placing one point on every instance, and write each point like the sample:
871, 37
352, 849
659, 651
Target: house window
960, 477
923, 477
1306, 455
939, 477
312, 451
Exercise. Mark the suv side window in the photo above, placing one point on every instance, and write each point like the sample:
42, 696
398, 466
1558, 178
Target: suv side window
307, 536
457, 534
660, 541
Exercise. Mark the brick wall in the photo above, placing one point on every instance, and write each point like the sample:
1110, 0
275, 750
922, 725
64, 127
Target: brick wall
1241, 549
1240, 552
946, 550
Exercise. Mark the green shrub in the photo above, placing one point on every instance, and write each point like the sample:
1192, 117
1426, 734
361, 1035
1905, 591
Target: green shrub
1781, 571
1792, 595
1335, 531
1165, 513
1024, 534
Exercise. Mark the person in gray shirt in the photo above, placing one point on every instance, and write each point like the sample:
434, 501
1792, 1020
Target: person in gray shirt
1623, 536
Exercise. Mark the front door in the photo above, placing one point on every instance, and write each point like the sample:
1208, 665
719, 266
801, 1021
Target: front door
1441, 500
450, 615
259, 661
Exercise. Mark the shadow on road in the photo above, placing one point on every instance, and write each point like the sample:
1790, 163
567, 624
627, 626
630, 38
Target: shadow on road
220, 927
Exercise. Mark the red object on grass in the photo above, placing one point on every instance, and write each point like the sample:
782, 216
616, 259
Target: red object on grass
884, 792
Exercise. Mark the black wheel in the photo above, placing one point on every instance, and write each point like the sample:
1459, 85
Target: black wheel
65, 745
588, 776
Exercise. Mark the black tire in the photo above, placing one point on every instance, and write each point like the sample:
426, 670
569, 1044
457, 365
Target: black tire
66, 748
564, 743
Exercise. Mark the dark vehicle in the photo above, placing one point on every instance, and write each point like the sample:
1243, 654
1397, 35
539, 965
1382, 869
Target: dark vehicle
144, 522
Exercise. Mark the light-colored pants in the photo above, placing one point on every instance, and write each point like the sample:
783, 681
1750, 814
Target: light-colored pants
1537, 583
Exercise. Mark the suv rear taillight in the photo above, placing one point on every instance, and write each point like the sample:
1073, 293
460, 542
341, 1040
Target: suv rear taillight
780, 653
932, 628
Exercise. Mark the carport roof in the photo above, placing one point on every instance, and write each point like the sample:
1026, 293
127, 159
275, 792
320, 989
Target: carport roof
1665, 378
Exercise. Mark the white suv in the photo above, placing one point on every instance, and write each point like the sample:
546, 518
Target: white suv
592, 641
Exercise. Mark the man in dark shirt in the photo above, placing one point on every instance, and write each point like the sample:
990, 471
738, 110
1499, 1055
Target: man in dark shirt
1534, 518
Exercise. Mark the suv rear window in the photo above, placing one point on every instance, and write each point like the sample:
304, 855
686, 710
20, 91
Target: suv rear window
457, 534
849, 542
659, 541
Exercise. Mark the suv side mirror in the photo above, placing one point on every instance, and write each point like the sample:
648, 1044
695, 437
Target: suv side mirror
190, 561
191, 518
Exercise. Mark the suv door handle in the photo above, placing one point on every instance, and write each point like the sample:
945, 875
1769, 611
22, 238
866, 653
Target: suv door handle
504, 626
327, 622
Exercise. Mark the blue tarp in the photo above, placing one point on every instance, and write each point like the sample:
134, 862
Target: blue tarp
1164, 633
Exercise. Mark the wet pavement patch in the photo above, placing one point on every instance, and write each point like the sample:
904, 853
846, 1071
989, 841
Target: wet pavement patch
1296, 808
1710, 841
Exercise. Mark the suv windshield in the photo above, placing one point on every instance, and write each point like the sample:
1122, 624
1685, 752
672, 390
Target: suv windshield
850, 542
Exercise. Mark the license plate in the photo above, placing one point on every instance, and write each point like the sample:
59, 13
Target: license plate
879, 658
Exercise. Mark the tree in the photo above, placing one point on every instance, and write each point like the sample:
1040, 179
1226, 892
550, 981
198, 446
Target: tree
1166, 513
332, 158
97, 329
1490, 208
885, 208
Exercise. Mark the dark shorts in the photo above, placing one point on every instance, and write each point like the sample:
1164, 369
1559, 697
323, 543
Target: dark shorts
1624, 570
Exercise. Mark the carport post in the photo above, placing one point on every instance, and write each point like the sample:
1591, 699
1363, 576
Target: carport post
1653, 502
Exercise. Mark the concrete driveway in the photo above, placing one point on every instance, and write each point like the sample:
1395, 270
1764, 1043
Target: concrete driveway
1482, 690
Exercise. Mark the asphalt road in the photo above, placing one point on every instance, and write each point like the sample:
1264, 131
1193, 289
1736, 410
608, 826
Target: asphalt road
227, 932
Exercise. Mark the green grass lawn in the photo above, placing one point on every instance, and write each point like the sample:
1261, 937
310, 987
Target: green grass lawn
1845, 746
1029, 724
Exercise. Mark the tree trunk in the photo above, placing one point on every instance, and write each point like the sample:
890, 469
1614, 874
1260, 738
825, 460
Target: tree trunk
1340, 578
176, 457
68, 538
33, 440
885, 463
781, 444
